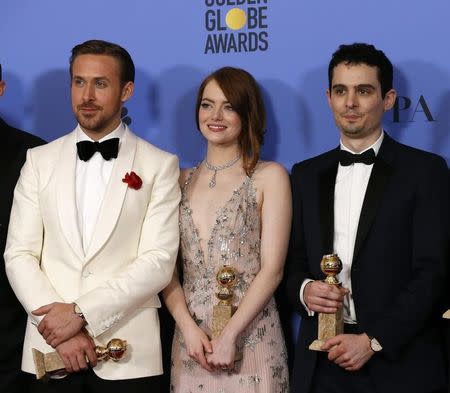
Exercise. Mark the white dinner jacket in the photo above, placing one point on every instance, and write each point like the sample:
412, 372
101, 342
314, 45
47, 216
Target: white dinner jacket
130, 259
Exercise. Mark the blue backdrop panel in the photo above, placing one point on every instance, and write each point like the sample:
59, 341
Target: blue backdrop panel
286, 44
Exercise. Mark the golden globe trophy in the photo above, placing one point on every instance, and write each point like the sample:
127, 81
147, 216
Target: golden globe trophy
223, 311
330, 325
51, 364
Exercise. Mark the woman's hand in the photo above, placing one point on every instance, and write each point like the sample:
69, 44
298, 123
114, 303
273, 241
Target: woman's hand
197, 345
223, 353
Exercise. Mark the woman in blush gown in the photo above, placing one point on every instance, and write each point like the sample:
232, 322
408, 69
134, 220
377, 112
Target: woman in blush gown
235, 211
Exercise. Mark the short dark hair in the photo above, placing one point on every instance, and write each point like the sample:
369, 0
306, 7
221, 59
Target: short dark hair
361, 53
244, 95
99, 47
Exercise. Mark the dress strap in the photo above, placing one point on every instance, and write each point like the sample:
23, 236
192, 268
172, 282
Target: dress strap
189, 178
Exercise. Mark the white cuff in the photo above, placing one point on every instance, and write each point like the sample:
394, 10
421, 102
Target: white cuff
89, 330
301, 294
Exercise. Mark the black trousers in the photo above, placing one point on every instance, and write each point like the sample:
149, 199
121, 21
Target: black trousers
88, 382
331, 378
13, 380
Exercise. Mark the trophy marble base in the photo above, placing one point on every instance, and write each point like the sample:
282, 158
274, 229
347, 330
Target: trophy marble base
47, 363
316, 345
330, 325
221, 315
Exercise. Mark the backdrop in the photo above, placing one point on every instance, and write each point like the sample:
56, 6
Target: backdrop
285, 44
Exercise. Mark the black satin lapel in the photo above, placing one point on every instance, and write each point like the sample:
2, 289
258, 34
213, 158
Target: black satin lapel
380, 174
326, 196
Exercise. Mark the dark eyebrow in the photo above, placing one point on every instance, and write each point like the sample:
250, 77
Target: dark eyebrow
212, 101
101, 78
366, 86
361, 86
98, 78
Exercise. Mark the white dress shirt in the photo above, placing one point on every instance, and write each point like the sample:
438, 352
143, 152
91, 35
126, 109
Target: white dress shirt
92, 178
350, 189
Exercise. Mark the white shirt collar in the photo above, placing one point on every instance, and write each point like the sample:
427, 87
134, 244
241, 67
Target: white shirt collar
376, 146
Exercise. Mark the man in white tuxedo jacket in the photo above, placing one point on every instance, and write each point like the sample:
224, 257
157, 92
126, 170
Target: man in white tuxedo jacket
93, 235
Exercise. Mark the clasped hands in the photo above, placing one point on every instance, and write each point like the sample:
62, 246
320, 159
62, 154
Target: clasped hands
62, 329
217, 354
349, 351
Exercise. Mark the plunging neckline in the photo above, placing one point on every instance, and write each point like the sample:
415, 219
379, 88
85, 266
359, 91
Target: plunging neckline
187, 205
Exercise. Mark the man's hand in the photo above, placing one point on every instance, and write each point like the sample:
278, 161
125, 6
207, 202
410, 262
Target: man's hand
74, 352
349, 351
59, 324
322, 297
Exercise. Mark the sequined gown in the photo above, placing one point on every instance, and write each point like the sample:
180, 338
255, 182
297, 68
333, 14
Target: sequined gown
235, 241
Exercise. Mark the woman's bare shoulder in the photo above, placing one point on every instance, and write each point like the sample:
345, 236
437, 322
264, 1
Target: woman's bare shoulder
270, 170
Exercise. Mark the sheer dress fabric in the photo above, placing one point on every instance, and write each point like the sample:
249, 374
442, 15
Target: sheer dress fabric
235, 241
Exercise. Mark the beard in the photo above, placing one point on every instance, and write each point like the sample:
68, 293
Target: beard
92, 122
351, 130
96, 122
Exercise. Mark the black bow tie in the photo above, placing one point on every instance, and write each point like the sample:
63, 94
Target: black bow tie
346, 158
108, 149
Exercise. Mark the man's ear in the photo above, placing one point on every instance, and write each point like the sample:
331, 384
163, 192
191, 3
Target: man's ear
127, 91
389, 99
329, 97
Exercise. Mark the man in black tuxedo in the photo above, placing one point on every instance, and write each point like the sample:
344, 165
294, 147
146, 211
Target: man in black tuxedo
12, 322
383, 208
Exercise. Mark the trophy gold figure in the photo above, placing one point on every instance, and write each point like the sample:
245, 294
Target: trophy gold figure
223, 311
330, 325
51, 364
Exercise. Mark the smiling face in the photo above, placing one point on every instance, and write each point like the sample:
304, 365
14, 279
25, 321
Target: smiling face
219, 122
357, 103
98, 94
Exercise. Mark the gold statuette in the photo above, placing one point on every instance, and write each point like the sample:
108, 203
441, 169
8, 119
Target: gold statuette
330, 325
223, 311
51, 364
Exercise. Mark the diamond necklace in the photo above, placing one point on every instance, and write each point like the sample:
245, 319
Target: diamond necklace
212, 182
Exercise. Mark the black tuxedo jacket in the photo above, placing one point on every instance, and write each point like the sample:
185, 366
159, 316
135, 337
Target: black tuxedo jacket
13, 147
399, 266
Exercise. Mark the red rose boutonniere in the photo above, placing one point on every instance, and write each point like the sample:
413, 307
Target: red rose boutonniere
133, 180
